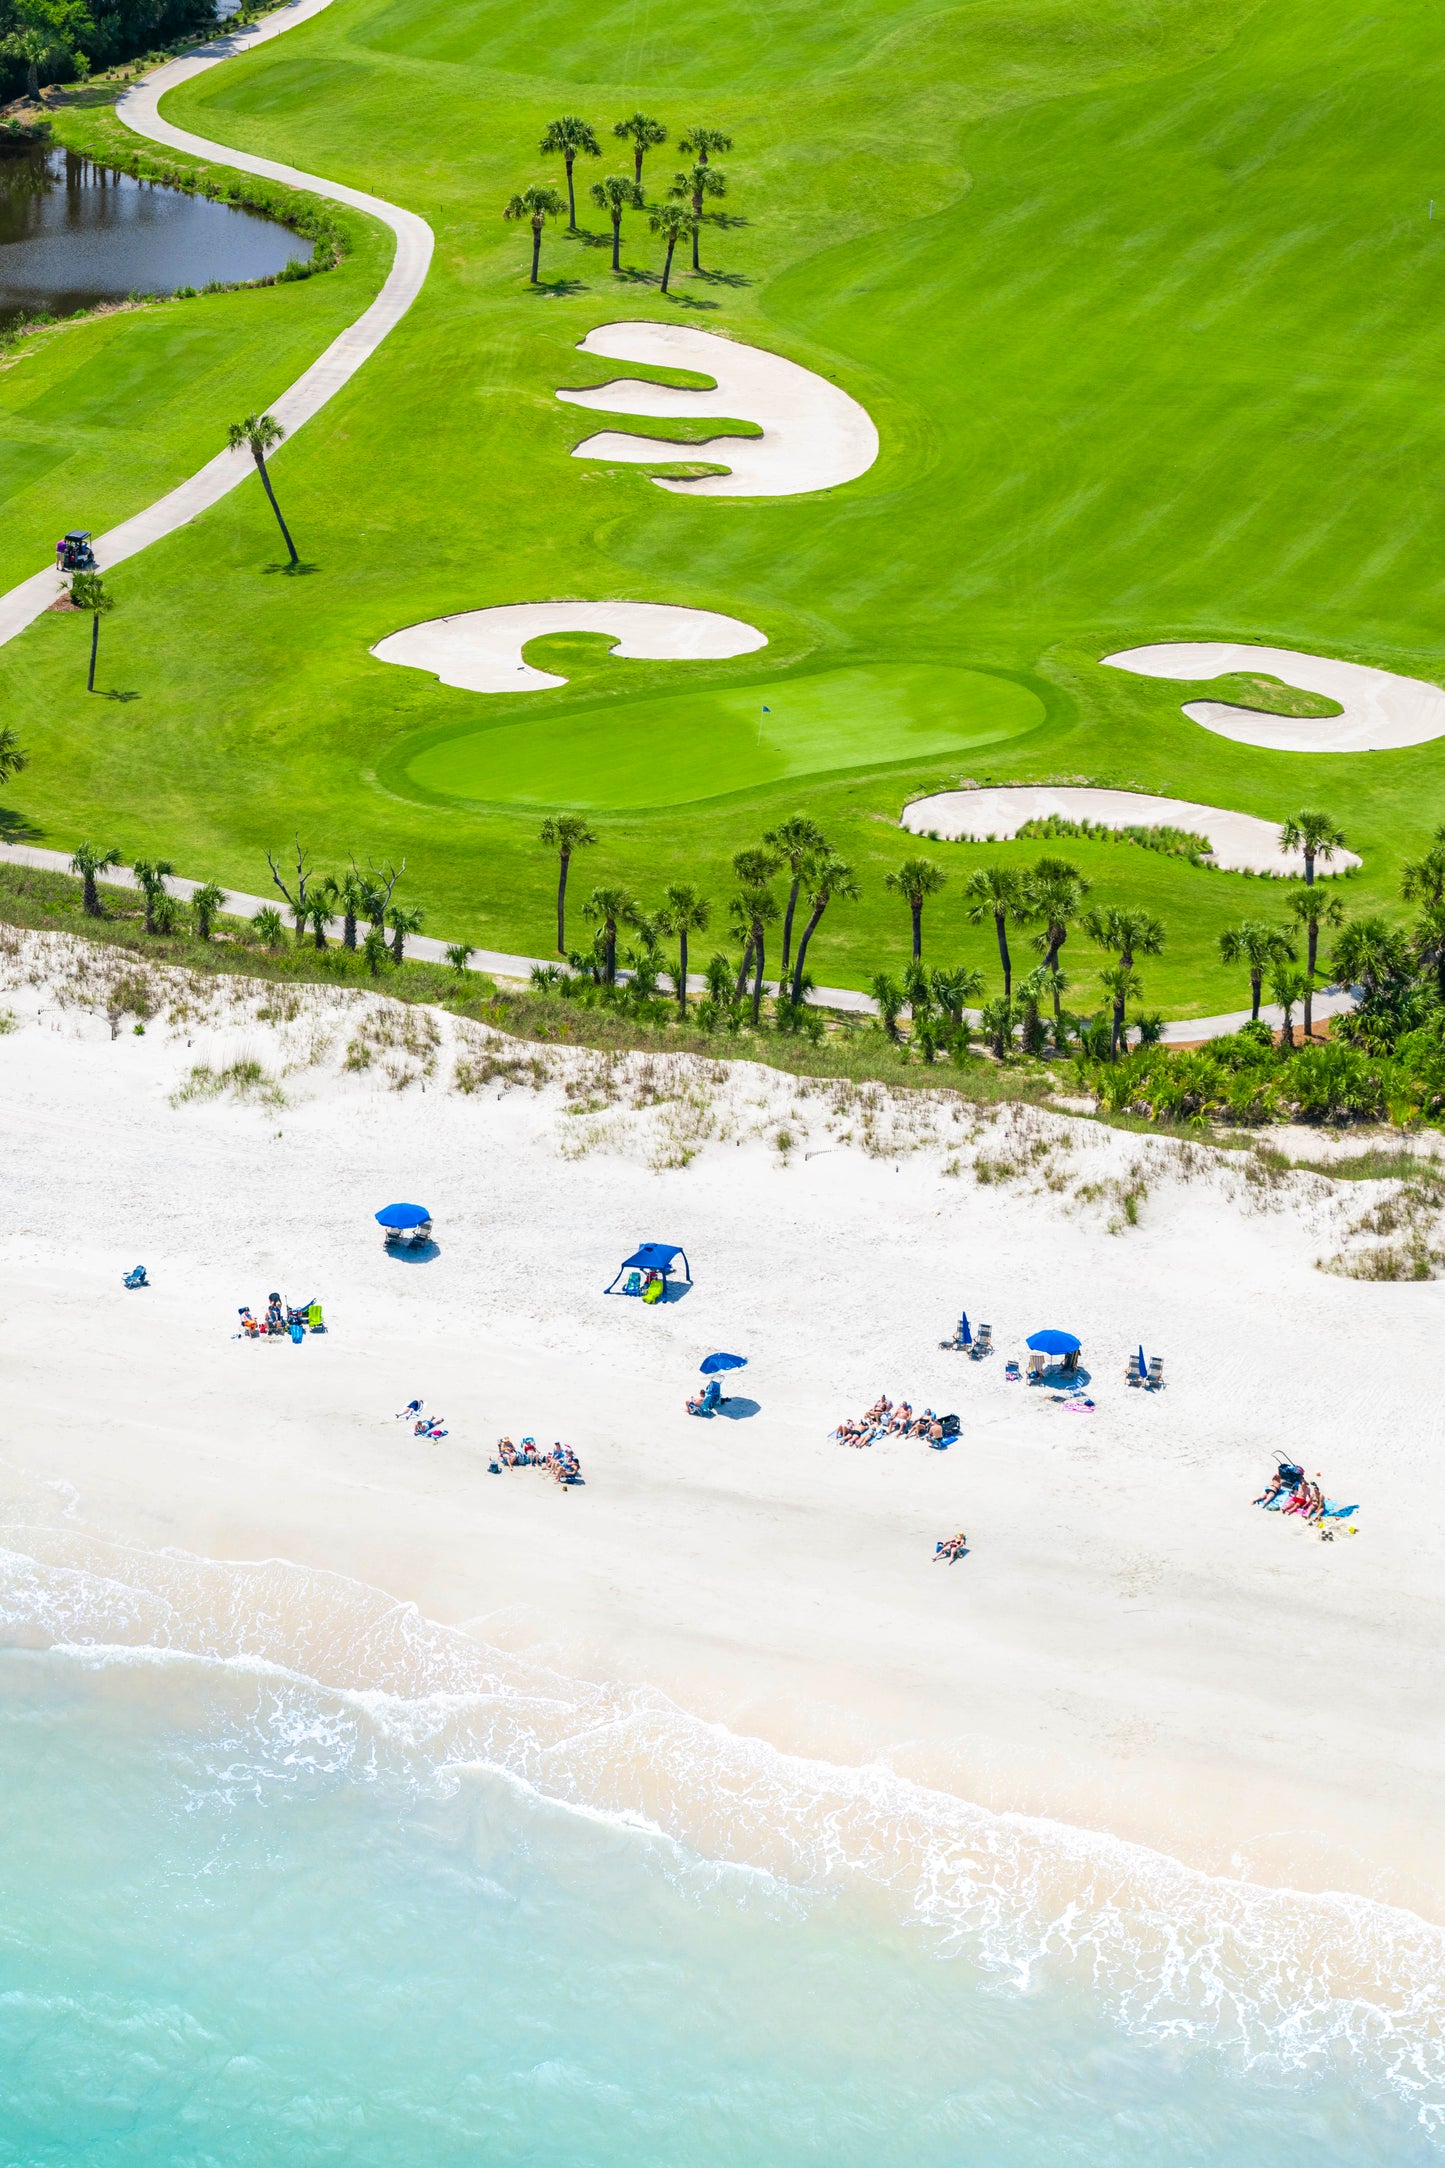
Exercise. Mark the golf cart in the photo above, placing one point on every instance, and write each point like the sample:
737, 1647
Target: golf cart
74, 553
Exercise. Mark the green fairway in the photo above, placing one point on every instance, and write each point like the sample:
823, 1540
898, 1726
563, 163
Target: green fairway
686, 746
1144, 302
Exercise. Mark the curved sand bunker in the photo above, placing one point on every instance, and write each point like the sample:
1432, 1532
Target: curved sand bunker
1381, 711
814, 436
1238, 842
481, 651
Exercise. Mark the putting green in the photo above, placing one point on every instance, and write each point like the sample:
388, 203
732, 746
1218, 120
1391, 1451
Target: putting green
680, 747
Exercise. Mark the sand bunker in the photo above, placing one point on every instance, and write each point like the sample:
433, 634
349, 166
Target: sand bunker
1381, 710
814, 436
481, 651
1239, 842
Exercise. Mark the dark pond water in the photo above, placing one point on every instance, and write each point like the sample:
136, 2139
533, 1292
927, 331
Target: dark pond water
73, 233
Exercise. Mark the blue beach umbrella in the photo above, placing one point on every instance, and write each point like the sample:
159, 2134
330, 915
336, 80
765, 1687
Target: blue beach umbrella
1054, 1343
1143, 1366
711, 1364
965, 1336
403, 1215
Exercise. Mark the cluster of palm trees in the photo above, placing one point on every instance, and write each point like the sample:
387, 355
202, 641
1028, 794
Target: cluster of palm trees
678, 217
359, 898
797, 850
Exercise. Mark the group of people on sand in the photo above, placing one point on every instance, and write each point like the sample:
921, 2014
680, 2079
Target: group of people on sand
422, 1424
884, 1420
561, 1463
1290, 1490
280, 1319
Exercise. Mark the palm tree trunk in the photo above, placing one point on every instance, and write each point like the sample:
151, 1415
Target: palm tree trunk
1256, 980
617, 240
758, 973
808, 932
637, 163
682, 971
536, 247
1309, 867
788, 928
917, 910
90, 896
275, 507
398, 945
741, 986
94, 650
565, 862
1116, 1032
610, 952
1003, 956
571, 197
348, 928
318, 928
1313, 952
696, 229
667, 267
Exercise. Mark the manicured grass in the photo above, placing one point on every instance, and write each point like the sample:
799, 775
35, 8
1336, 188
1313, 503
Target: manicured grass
1148, 312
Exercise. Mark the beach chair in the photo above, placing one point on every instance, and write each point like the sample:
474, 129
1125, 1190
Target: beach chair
1036, 1367
982, 1342
1131, 1372
655, 1289
1012, 1371
632, 1285
313, 1317
1156, 1373
136, 1277
711, 1399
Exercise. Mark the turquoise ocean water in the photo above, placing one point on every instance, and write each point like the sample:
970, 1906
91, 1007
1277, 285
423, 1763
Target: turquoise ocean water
290, 1876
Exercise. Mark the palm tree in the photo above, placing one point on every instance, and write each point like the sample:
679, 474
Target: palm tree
1422, 880
672, 221
609, 908
206, 901
753, 910
754, 867
1316, 835
267, 926
691, 187
1122, 983
90, 861
318, 910
538, 203
828, 878
998, 1024
570, 139
1031, 993
684, 911
1129, 933
954, 990
700, 143
459, 956
614, 195
299, 913
403, 919
915, 881
891, 999
352, 893
645, 134
1371, 955
1311, 910
998, 893
1257, 946
12, 760
1288, 985
1058, 890
565, 833
373, 948
797, 841
258, 434
151, 875
87, 592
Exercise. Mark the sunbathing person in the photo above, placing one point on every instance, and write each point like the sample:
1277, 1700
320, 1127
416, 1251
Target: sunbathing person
507, 1453
410, 1412
935, 1432
953, 1548
901, 1419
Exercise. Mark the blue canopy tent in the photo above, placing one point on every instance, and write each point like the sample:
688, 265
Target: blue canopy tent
652, 1257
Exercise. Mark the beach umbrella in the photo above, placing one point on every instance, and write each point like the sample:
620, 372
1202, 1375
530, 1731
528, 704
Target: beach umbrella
403, 1215
711, 1364
965, 1337
1143, 1366
1053, 1342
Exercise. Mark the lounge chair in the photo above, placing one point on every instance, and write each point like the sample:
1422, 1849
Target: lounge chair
1012, 1371
1156, 1373
983, 1342
707, 1400
632, 1285
136, 1277
1036, 1367
313, 1317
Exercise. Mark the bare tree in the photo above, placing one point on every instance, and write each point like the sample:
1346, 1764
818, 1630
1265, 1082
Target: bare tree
300, 910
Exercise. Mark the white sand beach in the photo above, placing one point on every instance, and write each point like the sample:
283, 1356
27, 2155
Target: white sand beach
1130, 1647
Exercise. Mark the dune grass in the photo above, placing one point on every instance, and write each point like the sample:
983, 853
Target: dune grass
1146, 307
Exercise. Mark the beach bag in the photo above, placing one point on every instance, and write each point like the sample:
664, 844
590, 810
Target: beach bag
296, 1332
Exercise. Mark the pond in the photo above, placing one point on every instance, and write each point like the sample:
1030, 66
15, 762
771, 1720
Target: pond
73, 233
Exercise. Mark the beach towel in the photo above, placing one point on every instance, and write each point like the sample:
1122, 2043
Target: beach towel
1332, 1512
